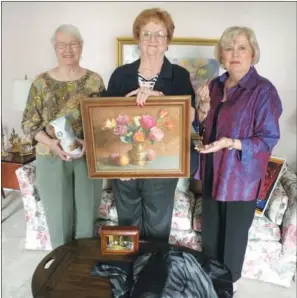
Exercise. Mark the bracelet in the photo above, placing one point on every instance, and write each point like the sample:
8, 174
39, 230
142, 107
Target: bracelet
203, 112
233, 145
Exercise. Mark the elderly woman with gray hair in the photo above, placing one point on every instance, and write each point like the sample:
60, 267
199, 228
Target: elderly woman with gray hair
240, 113
70, 199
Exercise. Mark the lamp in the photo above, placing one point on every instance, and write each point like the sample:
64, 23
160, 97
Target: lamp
21, 90
3, 152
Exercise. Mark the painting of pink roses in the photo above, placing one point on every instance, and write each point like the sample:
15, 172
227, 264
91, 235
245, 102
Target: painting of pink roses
127, 141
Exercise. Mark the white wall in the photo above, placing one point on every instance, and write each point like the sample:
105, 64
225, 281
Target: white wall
27, 29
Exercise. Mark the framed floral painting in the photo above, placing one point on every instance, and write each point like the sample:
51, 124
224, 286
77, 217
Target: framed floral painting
126, 141
273, 173
194, 54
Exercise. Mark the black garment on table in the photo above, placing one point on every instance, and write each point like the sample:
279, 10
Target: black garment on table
174, 273
225, 232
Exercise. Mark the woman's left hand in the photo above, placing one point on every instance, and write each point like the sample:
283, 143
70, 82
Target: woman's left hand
216, 146
83, 148
142, 94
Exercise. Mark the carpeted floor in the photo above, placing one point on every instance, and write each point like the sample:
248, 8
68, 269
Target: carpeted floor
19, 264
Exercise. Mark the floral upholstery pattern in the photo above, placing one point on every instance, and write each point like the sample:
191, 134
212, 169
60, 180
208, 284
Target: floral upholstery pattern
182, 211
189, 239
271, 256
263, 229
271, 250
289, 182
26, 178
37, 234
197, 218
264, 261
277, 205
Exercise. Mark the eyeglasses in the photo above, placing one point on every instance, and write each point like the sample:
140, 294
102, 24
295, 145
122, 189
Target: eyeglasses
72, 45
147, 35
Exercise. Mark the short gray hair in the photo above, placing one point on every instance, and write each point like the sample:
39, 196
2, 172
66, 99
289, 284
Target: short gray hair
69, 29
230, 34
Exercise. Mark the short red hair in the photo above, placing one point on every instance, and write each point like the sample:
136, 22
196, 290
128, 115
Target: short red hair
155, 15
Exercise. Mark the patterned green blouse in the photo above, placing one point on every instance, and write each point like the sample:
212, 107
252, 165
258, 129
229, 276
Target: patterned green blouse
49, 99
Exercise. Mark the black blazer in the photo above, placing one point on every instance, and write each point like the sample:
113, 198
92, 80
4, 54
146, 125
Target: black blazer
172, 80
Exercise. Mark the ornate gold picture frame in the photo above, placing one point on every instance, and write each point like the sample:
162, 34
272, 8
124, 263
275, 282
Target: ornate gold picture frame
124, 141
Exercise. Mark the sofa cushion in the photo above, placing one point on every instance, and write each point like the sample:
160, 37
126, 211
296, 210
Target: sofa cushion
264, 261
277, 204
182, 210
189, 239
264, 229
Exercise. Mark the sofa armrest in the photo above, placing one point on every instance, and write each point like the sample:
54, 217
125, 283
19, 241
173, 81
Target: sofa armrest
289, 183
26, 176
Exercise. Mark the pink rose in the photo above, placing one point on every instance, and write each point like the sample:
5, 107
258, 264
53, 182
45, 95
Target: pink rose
120, 130
156, 134
122, 119
147, 121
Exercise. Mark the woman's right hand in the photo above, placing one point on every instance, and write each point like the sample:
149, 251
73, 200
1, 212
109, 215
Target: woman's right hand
54, 145
203, 95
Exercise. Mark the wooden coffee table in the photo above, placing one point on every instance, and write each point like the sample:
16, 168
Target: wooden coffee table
69, 274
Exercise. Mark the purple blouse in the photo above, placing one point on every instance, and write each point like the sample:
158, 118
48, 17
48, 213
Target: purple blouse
251, 114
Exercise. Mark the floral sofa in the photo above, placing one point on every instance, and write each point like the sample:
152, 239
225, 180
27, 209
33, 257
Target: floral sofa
271, 251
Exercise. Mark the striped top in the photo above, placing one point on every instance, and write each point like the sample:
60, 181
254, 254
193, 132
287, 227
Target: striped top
143, 82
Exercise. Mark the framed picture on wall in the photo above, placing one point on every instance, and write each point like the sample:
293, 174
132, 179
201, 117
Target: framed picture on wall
123, 141
273, 173
194, 54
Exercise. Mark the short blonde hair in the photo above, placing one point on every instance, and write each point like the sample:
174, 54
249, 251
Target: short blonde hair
156, 15
230, 34
69, 29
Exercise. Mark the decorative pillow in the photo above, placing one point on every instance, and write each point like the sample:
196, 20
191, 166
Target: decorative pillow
263, 229
277, 204
189, 239
105, 204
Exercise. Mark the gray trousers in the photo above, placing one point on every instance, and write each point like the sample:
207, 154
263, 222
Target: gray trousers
147, 204
69, 197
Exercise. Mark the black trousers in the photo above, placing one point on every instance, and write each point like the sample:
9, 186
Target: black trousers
225, 227
146, 203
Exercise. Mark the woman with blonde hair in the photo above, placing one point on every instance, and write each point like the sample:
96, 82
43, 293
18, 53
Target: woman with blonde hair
148, 203
240, 113
69, 198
